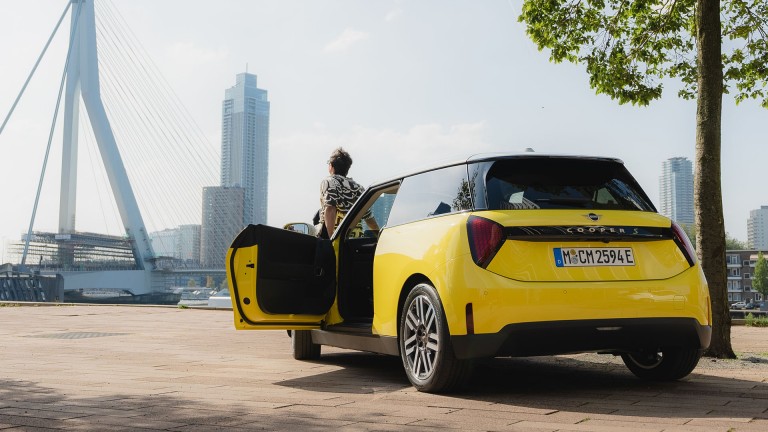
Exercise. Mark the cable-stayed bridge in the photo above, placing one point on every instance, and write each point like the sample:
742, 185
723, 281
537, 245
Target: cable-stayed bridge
117, 116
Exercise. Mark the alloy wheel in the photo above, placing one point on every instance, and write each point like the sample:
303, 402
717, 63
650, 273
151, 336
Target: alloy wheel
421, 338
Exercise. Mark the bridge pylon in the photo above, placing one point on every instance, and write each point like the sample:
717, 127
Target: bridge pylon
82, 81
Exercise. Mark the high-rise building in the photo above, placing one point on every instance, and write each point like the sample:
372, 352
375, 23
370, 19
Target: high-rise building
188, 243
381, 208
757, 229
222, 221
245, 145
164, 242
676, 190
182, 242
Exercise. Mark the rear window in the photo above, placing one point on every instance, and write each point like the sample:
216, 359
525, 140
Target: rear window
563, 183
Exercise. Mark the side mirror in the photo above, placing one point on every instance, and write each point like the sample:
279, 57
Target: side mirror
300, 227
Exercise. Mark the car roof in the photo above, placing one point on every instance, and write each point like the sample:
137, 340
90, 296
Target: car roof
485, 157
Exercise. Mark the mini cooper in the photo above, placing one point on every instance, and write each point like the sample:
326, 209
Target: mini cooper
497, 255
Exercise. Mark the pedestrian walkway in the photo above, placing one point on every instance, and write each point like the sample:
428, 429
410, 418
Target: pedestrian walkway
115, 368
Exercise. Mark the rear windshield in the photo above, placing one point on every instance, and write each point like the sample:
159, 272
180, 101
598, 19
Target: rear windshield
563, 183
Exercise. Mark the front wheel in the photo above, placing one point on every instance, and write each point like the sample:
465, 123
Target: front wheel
425, 344
666, 365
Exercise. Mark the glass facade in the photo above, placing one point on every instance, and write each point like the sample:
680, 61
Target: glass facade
245, 145
676, 190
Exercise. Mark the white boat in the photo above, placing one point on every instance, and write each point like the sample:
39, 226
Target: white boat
220, 300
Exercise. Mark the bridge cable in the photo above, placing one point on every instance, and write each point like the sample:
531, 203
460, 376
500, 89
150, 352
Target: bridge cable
100, 179
34, 68
170, 96
50, 136
155, 119
162, 110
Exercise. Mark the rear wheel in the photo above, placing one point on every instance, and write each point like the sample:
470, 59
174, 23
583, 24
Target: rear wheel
425, 344
665, 365
303, 348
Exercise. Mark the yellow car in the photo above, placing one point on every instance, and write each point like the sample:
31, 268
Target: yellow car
502, 255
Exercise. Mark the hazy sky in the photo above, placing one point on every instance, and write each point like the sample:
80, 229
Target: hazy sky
399, 84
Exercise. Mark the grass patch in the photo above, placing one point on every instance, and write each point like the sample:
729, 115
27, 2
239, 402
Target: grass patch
756, 321
183, 306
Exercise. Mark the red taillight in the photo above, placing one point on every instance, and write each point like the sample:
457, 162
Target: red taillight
485, 239
682, 241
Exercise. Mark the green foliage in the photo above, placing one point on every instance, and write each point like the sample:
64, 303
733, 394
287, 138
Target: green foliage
745, 64
732, 243
753, 321
630, 46
183, 306
760, 277
690, 231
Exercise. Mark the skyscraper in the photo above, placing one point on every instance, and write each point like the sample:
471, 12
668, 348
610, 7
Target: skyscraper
757, 229
245, 145
676, 190
188, 243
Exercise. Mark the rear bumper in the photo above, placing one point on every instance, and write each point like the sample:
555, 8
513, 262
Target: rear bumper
604, 335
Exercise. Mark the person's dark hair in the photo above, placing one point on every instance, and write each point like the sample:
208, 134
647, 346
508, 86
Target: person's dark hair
341, 161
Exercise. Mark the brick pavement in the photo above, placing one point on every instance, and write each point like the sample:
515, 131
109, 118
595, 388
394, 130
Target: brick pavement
115, 368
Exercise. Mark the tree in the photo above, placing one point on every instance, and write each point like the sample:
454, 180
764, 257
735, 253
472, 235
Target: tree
760, 278
630, 46
732, 243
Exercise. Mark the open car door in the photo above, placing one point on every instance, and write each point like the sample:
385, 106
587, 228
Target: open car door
280, 279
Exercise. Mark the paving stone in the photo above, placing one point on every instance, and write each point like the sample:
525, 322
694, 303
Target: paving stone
189, 370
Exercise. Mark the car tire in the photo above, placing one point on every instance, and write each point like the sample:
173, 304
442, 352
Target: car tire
668, 365
303, 348
425, 344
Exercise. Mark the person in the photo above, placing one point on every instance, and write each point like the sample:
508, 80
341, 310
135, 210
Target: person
337, 194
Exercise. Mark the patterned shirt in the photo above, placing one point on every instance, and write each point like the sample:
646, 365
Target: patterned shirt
340, 192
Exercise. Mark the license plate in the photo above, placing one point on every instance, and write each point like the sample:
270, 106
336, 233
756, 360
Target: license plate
593, 257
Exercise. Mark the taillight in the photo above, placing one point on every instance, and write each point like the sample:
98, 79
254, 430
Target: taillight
682, 241
485, 239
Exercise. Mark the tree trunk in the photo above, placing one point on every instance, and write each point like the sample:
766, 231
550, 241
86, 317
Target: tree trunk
707, 189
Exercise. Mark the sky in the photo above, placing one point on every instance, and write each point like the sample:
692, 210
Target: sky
400, 84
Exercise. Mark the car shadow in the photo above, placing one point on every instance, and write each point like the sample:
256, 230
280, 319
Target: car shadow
359, 372
599, 384
491, 376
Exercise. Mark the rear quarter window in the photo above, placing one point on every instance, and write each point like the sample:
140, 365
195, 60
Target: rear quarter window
430, 194
562, 183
